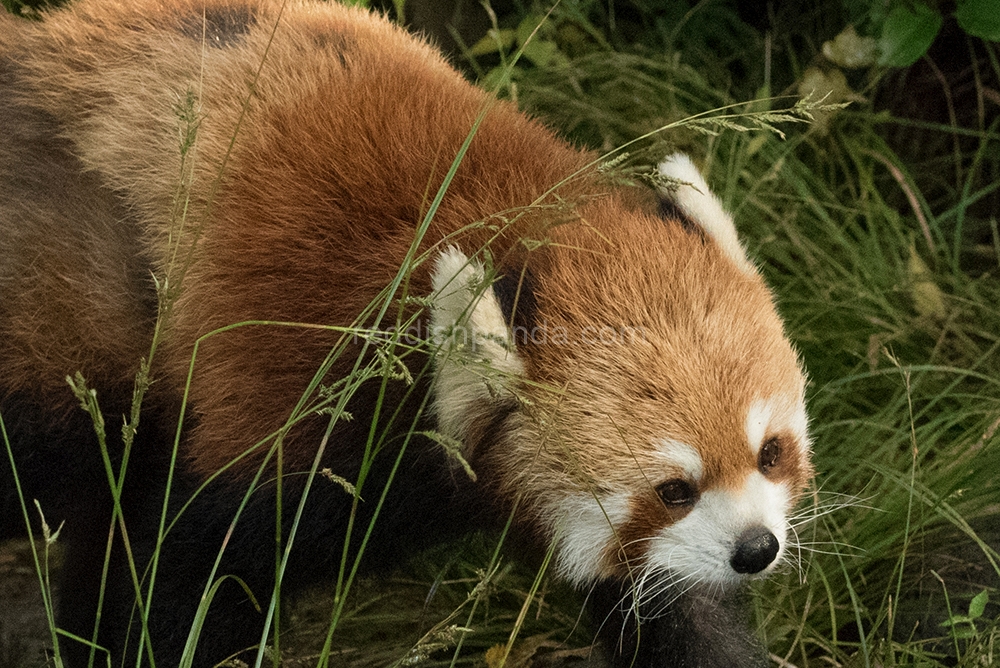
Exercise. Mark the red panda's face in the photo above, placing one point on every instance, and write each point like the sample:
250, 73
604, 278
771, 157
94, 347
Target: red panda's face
680, 451
660, 434
691, 513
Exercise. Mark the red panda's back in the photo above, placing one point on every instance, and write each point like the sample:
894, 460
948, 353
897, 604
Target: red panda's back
264, 162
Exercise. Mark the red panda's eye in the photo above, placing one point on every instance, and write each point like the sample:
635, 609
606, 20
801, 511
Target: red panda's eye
770, 455
676, 492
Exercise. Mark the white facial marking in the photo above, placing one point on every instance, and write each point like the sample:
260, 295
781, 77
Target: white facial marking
698, 547
681, 455
476, 353
585, 527
799, 425
704, 209
758, 418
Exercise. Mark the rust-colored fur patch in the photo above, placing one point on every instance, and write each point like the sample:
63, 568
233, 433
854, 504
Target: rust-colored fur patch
256, 172
342, 130
318, 140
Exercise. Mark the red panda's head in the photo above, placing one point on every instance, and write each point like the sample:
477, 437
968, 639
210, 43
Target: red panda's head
631, 388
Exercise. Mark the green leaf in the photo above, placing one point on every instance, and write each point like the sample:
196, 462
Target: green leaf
965, 633
540, 51
187, 656
851, 50
955, 620
527, 26
977, 606
907, 33
496, 79
980, 18
492, 42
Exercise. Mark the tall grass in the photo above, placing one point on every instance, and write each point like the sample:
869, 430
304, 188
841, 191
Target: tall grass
890, 292
899, 331
885, 268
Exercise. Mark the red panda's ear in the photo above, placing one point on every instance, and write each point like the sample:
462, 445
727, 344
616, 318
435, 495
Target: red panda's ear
515, 292
697, 206
475, 358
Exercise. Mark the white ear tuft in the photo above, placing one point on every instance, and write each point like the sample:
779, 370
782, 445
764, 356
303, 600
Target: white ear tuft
476, 358
696, 201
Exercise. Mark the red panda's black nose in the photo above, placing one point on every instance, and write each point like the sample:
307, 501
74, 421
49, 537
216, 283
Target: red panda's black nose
756, 548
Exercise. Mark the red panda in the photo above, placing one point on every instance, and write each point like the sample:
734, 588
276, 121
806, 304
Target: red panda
266, 201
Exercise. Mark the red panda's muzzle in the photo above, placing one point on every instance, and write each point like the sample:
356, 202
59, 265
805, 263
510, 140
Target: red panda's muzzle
755, 550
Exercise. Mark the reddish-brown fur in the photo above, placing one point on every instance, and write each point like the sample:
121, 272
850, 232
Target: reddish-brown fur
293, 165
269, 162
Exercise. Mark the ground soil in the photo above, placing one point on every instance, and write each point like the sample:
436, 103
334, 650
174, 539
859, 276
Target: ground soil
24, 630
